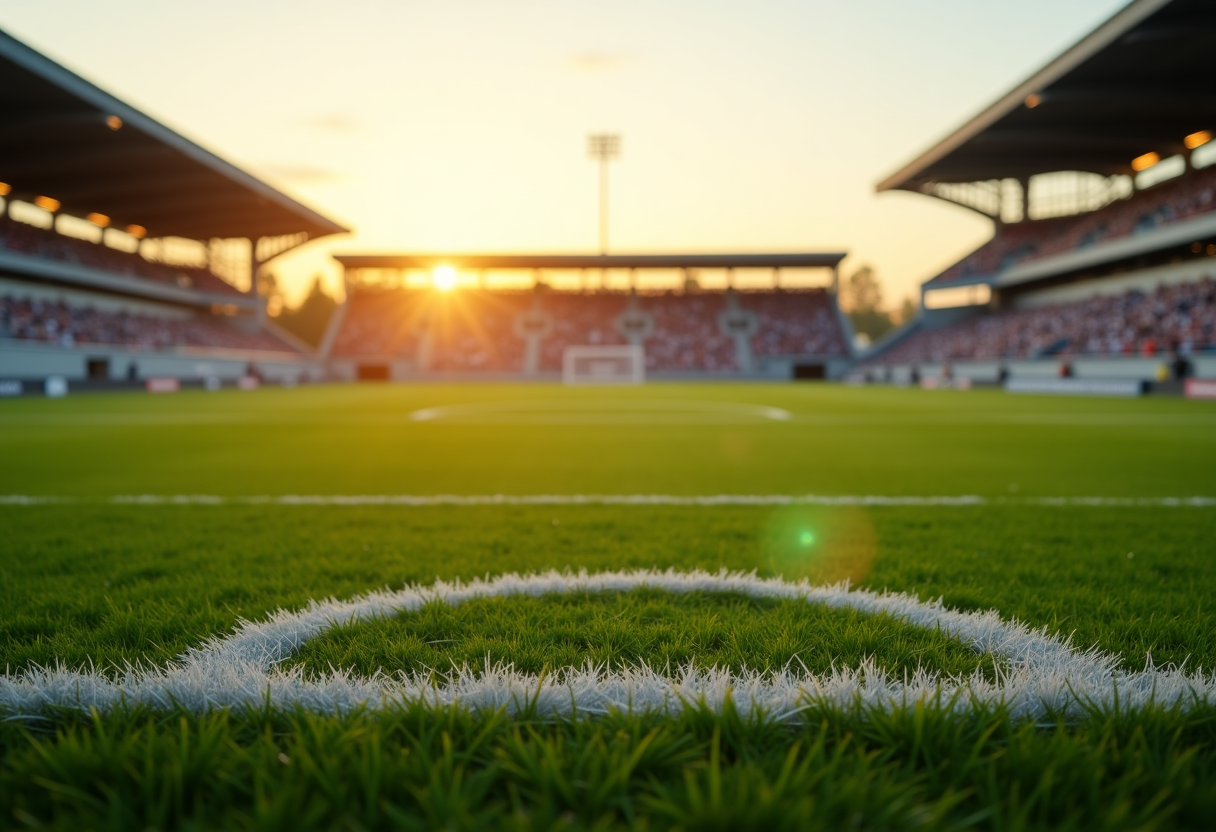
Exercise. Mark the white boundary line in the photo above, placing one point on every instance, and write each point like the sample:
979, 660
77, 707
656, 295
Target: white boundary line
629, 413
611, 500
599, 411
1045, 673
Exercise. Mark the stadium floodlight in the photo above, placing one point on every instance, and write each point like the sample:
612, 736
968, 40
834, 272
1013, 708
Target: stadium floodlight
604, 147
623, 364
1198, 139
1145, 162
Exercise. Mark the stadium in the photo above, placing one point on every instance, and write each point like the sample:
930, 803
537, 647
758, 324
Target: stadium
570, 540
1099, 269
123, 244
1097, 175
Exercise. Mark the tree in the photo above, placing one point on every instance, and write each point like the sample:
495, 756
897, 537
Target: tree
861, 300
268, 288
309, 320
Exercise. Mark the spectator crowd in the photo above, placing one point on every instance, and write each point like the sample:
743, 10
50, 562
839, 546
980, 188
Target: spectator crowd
795, 323
475, 330
1169, 202
1176, 318
57, 323
20, 238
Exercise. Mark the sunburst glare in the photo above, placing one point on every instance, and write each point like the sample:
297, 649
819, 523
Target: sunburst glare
444, 278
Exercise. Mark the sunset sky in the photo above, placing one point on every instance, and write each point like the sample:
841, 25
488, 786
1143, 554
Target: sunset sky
747, 126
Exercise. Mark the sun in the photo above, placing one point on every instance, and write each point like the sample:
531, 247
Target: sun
444, 278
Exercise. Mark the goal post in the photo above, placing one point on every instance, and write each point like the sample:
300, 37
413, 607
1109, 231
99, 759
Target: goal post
604, 365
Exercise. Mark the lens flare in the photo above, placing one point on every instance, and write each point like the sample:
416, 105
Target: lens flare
824, 544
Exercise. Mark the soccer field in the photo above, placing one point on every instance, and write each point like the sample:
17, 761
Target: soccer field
139, 532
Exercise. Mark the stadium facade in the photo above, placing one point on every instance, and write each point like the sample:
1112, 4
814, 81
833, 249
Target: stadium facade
1099, 175
123, 244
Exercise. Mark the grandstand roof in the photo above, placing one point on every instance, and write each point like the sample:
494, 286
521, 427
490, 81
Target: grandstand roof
592, 261
55, 141
1138, 83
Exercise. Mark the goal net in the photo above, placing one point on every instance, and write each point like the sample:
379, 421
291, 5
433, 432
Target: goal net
604, 365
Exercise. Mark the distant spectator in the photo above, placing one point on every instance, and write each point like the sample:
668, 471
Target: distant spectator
1169, 202
475, 329
1125, 324
21, 238
67, 326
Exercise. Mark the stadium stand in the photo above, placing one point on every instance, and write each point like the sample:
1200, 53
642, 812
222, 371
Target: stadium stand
795, 323
409, 329
1143, 212
97, 315
1118, 273
20, 238
68, 326
1177, 318
477, 331
382, 324
686, 334
581, 318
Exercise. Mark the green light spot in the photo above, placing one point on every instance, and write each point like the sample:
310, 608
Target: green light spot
807, 538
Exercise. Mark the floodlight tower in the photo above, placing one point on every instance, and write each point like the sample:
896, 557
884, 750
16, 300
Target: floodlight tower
604, 147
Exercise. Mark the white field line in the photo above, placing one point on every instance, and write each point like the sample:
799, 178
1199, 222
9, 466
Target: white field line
553, 500
423, 500
600, 411
636, 413
1045, 673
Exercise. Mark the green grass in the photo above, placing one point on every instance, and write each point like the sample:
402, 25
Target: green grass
119, 583
418, 769
90, 581
618, 630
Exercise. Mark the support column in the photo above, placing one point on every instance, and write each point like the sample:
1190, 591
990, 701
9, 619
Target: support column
254, 289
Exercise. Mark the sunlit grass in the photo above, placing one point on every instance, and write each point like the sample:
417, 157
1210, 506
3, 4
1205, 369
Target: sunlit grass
97, 583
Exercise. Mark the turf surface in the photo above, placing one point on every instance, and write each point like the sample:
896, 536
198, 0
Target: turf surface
94, 581
618, 630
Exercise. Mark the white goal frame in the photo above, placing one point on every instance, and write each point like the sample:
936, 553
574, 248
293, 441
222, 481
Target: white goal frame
585, 365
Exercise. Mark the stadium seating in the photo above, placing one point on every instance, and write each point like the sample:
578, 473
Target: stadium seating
686, 333
474, 330
1179, 317
69, 326
21, 238
1015, 243
380, 323
580, 318
795, 323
